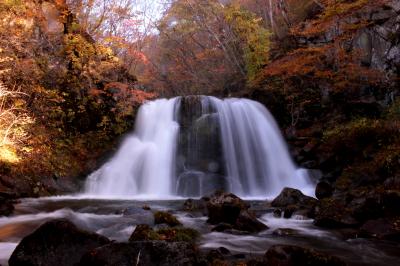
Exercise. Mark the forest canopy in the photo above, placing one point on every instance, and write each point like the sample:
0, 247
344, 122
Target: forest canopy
76, 71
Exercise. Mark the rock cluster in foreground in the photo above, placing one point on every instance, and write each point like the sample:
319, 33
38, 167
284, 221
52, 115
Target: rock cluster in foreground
61, 243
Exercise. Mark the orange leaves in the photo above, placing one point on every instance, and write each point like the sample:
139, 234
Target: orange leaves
300, 62
123, 94
339, 16
330, 65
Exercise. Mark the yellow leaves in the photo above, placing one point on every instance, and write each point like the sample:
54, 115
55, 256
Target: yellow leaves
8, 154
18, 103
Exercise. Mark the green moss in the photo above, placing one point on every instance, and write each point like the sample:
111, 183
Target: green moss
179, 234
166, 218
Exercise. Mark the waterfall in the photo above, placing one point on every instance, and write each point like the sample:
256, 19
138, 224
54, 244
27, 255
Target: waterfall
190, 146
145, 162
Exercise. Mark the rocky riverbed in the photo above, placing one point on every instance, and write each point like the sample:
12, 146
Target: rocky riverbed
221, 229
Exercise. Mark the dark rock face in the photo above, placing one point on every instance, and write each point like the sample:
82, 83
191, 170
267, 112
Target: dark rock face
332, 213
386, 229
230, 209
293, 201
200, 163
142, 253
6, 207
282, 255
354, 208
323, 190
58, 242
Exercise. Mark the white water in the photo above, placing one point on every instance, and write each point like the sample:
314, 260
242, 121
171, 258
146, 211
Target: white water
257, 159
145, 162
257, 162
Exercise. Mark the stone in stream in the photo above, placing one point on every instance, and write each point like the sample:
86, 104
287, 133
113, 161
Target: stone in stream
285, 232
57, 242
195, 205
143, 232
142, 253
287, 255
293, 201
230, 209
161, 217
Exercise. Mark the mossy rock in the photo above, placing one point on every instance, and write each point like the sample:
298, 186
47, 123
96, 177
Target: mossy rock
182, 234
161, 217
144, 232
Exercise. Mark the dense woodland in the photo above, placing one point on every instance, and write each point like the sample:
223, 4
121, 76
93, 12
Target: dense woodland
72, 74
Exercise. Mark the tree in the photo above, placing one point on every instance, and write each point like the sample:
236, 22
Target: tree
205, 47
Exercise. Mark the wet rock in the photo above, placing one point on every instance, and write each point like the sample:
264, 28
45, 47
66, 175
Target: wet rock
58, 242
194, 205
224, 208
323, 190
246, 221
177, 234
285, 255
180, 234
139, 215
292, 201
382, 229
142, 254
291, 196
285, 232
161, 217
277, 213
221, 227
146, 207
6, 207
223, 251
230, 209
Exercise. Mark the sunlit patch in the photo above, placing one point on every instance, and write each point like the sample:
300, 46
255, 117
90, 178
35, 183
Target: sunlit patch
8, 154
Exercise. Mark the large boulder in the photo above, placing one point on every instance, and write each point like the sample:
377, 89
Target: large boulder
58, 242
142, 254
286, 255
293, 201
230, 209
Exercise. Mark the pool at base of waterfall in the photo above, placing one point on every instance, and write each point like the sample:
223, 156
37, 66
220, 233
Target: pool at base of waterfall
117, 219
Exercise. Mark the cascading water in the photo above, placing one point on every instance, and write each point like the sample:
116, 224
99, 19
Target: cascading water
191, 146
145, 162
